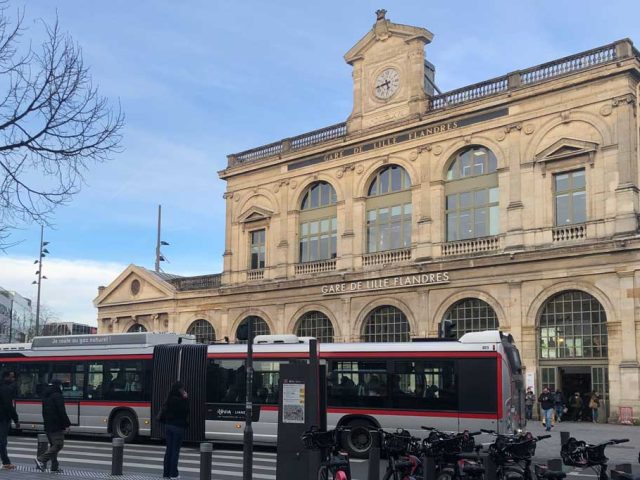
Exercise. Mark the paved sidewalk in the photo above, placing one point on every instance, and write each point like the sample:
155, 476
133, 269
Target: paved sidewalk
23, 472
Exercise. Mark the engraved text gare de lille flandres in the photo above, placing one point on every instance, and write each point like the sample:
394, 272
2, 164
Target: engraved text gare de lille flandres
388, 282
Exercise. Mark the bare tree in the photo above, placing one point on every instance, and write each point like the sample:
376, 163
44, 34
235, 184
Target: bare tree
53, 124
47, 316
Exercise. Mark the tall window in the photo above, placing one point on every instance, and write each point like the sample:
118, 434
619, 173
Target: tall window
571, 198
573, 324
203, 331
258, 249
386, 324
389, 210
471, 315
315, 324
318, 223
260, 327
472, 195
136, 328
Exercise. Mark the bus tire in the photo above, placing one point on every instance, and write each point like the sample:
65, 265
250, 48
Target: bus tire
357, 441
125, 425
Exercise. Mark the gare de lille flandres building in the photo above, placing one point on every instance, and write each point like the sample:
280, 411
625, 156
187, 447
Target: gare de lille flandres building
512, 204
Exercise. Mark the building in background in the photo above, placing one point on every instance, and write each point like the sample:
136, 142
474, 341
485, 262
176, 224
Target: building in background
16, 317
67, 328
510, 204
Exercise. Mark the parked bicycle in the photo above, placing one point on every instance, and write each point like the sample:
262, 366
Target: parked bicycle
400, 448
453, 454
577, 453
334, 464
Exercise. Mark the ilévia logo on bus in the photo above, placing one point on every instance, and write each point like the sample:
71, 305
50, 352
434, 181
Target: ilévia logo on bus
399, 281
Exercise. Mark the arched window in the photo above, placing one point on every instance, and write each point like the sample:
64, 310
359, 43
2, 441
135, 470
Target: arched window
136, 328
389, 210
386, 324
318, 223
573, 324
315, 324
471, 315
472, 195
260, 327
203, 331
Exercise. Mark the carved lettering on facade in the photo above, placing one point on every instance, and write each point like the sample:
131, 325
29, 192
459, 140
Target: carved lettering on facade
401, 281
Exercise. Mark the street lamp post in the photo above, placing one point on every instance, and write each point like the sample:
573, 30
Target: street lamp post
43, 252
247, 462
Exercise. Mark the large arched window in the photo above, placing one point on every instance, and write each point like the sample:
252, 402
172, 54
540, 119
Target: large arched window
260, 327
203, 331
573, 324
389, 210
471, 315
318, 223
386, 324
136, 328
472, 195
315, 324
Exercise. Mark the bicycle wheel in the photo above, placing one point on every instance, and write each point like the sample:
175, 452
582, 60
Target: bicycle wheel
391, 475
323, 473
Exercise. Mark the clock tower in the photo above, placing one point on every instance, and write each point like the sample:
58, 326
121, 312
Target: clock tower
392, 81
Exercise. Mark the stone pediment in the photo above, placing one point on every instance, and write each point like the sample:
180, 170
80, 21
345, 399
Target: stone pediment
381, 31
135, 284
255, 214
567, 149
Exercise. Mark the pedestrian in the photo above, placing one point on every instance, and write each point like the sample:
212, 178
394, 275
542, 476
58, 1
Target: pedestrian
175, 416
529, 400
559, 404
594, 404
576, 407
7, 413
56, 424
546, 403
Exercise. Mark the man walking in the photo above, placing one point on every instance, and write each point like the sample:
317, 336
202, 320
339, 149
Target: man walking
529, 400
56, 423
7, 413
546, 403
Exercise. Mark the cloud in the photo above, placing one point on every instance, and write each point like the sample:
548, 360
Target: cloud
69, 289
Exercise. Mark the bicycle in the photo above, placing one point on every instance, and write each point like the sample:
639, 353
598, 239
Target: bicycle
452, 453
334, 464
399, 447
577, 453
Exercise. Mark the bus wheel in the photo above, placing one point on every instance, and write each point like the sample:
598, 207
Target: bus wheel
357, 441
125, 425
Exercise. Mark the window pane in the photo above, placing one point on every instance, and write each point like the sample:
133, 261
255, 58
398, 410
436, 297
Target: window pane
396, 179
494, 220
465, 225
562, 210
452, 202
481, 197
481, 225
472, 315
494, 195
579, 207
384, 182
452, 227
466, 200
562, 182
578, 179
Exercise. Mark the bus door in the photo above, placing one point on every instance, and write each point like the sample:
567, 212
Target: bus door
186, 363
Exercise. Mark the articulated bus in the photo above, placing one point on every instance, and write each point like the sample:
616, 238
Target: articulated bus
115, 384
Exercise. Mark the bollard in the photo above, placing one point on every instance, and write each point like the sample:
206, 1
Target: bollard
623, 467
429, 468
554, 464
117, 456
374, 456
206, 451
490, 469
564, 436
43, 443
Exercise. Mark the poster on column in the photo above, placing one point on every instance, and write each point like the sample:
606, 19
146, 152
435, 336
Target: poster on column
293, 403
531, 381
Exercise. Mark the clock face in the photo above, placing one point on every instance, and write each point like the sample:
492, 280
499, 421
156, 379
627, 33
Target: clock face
387, 83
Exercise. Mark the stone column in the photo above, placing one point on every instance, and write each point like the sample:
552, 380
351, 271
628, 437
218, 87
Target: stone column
283, 234
345, 213
422, 207
227, 256
510, 178
627, 138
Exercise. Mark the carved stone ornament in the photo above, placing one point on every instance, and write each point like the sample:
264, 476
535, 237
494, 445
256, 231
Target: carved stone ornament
467, 139
293, 184
359, 169
437, 150
606, 110
227, 195
340, 173
276, 188
501, 135
413, 155
529, 128
565, 116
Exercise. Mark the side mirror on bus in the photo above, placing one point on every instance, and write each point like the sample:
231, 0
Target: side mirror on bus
445, 329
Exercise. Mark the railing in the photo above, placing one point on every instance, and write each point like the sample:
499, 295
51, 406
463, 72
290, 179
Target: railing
472, 92
319, 136
315, 267
257, 274
569, 64
465, 247
201, 282
387, 257
569, 233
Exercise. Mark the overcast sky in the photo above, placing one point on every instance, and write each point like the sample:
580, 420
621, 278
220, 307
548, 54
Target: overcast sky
200, 79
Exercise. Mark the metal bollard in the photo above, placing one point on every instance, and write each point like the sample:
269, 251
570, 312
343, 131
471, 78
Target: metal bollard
564, 437
554, 464
206, 452
117, 456
43, 443
429, 468
374, 456
490, 469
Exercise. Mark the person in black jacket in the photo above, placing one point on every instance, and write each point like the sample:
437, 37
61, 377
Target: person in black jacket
7, 413
56, 423
175, 416
546, 401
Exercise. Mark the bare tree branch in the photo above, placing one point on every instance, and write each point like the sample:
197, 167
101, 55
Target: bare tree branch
53, 124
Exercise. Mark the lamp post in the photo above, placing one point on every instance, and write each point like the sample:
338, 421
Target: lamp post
159, 243
43, 252
245, 332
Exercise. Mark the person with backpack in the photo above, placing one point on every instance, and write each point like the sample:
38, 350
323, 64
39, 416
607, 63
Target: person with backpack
7, 413
175, 415
546, 401
56, 424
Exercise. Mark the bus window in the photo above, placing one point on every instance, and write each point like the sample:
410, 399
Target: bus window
424, 385
357, 383
31, 378
94, 380
265, 381
122, 380
72, 377
478, 385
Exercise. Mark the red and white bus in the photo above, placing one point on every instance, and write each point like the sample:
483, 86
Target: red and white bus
114, 384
